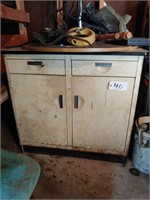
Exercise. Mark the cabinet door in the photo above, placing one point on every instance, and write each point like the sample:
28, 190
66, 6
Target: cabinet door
101, 115
39, 103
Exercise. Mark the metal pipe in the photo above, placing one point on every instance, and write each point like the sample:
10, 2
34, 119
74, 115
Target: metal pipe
80, 13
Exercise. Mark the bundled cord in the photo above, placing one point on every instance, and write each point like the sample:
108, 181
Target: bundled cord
42, 40
51, 37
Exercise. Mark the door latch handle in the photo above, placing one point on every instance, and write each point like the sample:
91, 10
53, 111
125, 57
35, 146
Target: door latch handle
76, 101
60, 99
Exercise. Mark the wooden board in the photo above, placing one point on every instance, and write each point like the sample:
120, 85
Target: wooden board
13, 40
101, 4
14, 14
4, 93
60, 13
97, 47
18, 15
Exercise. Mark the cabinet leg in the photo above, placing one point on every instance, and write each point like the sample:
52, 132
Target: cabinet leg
124, 159
22, 148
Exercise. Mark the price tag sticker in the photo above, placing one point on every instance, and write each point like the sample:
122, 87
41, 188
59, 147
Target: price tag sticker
118, 85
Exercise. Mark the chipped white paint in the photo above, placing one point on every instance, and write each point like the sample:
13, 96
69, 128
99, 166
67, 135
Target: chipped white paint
40, 117
104, 68
55, 67
101, 121
104, 118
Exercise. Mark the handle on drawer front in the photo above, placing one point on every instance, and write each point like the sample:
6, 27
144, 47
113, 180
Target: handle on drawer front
103, 64
37, 63
60, 99
76, 102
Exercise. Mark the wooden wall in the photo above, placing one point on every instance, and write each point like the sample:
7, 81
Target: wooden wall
42, 13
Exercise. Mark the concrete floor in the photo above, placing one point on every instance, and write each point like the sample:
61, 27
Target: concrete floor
78, 178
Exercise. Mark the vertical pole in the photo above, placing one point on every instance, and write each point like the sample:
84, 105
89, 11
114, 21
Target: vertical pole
101, 4
22, 28
20, 5
80, 13
59, 14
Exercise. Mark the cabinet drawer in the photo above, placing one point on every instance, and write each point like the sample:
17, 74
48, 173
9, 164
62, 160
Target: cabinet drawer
31, 66
104, 68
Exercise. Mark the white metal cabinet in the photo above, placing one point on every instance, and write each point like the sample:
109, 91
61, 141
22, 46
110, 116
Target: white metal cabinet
66, 100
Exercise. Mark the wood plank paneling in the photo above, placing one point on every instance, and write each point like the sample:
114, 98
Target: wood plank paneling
42, 14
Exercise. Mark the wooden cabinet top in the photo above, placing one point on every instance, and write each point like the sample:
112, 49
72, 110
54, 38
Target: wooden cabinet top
97, 48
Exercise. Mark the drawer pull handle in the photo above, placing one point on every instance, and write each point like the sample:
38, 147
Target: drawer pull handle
37, 63
103, 64
76, 102
60, 98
